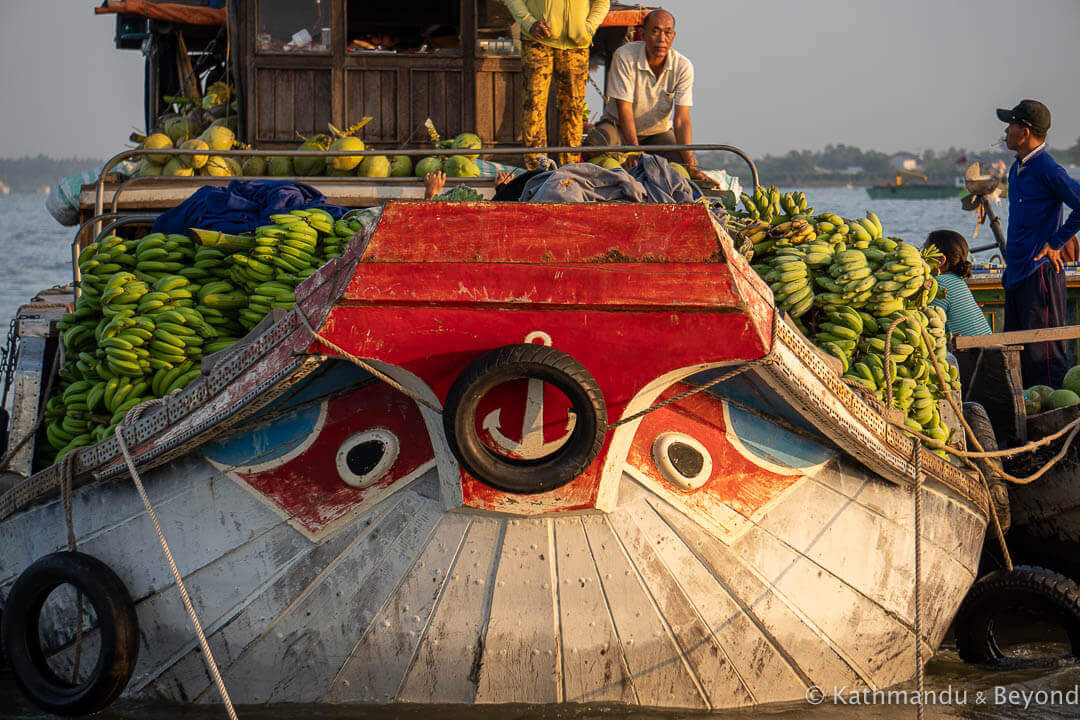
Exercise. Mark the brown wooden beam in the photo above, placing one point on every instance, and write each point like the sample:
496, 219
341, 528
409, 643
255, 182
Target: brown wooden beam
1018, 337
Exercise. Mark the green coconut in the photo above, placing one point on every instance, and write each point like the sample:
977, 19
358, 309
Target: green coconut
347, 162
197, 122
1043, 392
216, 167
333, 172
467, 140
1063, 398
680, 169
194, 161
147, 169
610, 163
460, 166
177, 128
309, 166
1032, 402
1072, 379
280, 166
226, 122
374, 166
219, 137
235, 168
158, 141
427, 165
255, 166
401, 166
174, 168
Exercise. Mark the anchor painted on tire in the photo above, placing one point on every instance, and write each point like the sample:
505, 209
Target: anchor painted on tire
545, 466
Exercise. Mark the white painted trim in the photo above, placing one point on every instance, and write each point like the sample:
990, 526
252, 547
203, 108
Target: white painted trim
299, 450
607, 496
667, 469
449, 471
761, 462
392, 448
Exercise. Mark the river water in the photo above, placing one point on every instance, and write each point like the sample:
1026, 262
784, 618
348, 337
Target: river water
35, 252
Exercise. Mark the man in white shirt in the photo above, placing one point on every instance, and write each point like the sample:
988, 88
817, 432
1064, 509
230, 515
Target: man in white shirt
650, 91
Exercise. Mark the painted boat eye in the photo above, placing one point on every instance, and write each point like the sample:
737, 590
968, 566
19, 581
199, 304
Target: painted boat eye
682, 461
365, 457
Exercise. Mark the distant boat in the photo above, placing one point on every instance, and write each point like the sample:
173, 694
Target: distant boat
921, 191
4, 189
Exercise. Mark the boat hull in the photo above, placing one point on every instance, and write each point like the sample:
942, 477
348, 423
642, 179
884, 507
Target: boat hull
1046, 513
412, 603
745, 531
914, 192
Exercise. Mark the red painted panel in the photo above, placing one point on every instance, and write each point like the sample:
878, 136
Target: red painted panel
542, 232
679, 286
623, 350
308, 487
736, 481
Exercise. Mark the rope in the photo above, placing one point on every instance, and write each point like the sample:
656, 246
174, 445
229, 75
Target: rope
916, 461
67, 475
208, 656
40, 416
888, 359
610, 426
970, 433
768, 359
369, 367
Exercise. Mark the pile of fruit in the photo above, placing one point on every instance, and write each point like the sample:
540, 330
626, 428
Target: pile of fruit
1040, 398
151, 309
844, 283
207, 123
218, 136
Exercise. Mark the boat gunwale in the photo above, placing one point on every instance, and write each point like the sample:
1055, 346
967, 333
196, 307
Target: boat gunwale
873, 441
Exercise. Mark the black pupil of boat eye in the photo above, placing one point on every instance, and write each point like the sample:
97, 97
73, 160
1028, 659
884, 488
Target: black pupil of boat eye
685, 459
363, 457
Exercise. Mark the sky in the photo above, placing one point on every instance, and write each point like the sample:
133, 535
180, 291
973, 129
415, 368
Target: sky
771, 77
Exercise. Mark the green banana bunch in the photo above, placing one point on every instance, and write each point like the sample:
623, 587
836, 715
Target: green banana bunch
789, 279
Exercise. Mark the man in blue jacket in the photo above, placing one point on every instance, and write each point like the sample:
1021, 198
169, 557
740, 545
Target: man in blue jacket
1034, 271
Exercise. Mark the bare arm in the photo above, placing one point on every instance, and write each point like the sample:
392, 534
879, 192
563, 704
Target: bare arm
627, 128
684, 135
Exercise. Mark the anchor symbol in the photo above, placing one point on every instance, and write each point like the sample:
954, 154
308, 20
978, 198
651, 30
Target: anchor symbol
532, 445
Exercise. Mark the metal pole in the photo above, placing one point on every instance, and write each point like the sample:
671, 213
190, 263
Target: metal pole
995, 224
99, 195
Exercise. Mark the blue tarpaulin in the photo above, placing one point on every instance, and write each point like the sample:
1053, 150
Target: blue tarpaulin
241, 206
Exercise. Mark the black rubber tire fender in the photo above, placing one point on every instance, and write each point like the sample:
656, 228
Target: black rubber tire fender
977, 417
522, 361
1044, 592
117, 626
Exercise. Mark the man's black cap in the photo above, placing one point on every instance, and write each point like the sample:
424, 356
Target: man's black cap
1028, 112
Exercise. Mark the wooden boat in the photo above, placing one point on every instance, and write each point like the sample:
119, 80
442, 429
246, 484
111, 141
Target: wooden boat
730, 548
902, 189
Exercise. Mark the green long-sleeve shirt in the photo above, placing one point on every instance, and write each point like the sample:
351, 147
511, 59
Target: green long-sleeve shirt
572, 22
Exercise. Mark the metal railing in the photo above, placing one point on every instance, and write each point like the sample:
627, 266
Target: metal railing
99, 191
99, 195
124, 219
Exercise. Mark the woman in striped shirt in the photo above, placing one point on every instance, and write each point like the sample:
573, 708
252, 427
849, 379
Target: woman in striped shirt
963, 316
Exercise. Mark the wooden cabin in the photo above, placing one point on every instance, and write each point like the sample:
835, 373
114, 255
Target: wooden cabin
301, 64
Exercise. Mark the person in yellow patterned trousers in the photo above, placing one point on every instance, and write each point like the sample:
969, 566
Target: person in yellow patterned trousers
555, 39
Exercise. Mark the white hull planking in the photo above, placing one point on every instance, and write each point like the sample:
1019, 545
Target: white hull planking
411, 603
